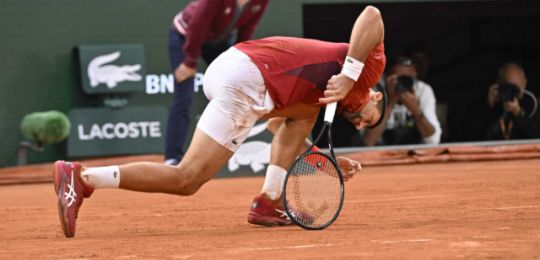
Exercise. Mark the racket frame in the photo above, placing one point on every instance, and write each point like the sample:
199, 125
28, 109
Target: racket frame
332, 158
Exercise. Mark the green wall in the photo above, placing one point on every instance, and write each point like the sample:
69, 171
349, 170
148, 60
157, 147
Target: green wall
37, 67
38, 71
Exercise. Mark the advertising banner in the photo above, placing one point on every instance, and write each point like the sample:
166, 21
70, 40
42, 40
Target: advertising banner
112, 68
107, 131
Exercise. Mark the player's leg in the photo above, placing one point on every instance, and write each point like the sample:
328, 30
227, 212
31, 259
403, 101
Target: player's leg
209, 150
222, 128
202, 161
204, 158
235, 106
289, 139
275, 123
236, 93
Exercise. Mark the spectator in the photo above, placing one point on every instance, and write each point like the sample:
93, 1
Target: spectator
422, 63
203, 27
411, 112
420, 56
513, 109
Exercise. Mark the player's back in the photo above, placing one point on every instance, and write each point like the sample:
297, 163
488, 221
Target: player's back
295, 69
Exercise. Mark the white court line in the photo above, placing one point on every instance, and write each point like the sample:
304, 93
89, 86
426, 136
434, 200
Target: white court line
516, 207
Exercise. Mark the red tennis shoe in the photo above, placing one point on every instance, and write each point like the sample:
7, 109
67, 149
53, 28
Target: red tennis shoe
266, 212
71, 191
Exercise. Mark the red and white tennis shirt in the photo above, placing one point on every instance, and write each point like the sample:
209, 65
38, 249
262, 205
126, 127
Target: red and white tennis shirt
297, 70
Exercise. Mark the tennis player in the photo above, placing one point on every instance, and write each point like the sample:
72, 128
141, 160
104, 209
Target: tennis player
277, 77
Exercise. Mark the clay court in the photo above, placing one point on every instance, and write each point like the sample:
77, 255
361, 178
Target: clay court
487, 209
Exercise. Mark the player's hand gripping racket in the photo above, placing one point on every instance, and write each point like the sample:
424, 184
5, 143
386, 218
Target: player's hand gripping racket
313, 190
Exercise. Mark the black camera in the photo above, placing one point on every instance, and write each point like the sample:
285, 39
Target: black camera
508, 91
405, 83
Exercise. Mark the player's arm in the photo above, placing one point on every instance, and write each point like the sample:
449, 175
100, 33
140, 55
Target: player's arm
367, 33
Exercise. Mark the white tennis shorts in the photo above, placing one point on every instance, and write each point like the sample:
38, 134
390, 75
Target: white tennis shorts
238, 98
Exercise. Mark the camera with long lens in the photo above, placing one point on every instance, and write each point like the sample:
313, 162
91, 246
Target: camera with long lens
508, 91
405, 84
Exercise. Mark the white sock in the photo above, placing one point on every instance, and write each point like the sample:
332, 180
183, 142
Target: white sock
102, 177
273, 182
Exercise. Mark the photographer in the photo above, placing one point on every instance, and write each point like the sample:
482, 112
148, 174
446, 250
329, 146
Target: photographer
513, 109
411, 112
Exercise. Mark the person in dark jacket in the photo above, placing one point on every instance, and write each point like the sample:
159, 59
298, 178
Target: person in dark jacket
513, 110
204, 28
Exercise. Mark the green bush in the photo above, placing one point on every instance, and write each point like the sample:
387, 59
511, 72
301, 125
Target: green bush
45, 127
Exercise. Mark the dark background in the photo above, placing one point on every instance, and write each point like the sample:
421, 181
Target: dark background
467, 43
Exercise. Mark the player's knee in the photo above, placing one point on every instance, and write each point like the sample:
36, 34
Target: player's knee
189, 181
274, 124
188, 189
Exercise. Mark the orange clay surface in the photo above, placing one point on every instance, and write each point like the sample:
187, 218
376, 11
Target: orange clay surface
472, 210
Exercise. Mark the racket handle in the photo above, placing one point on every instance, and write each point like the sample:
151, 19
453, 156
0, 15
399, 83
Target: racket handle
330, 112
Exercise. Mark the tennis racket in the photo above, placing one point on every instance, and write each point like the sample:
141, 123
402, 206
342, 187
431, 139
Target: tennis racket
313, 189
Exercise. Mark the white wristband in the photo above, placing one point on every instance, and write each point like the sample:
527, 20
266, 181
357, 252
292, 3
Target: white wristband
352, 68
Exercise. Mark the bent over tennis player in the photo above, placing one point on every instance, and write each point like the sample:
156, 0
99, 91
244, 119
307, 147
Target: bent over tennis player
276, 77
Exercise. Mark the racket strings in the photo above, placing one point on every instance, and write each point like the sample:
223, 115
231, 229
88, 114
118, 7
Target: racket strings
314, 190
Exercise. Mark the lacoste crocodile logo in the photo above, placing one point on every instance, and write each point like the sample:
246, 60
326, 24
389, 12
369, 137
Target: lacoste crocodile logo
255, 153
111, 75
